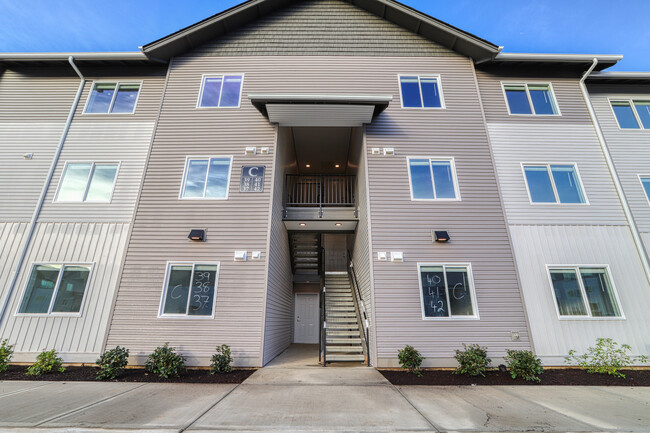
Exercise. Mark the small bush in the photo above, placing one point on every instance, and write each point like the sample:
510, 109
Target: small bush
165, 362
6, 353
112, 362
525, 364
46, 362
473, 360
221, 361
605, 357
410, 359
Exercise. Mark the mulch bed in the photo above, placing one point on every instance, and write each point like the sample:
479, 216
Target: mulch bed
76, 374
564, 376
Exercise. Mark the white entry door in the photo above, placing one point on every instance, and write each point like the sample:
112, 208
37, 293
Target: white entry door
306, 320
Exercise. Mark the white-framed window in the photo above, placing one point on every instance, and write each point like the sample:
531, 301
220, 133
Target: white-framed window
220, 91
433, 178
87, 182
632, 113
55, 289
421, 91
645, 184
553, 183
206, 177
535, 99
447, 291
584, 292
190, 290
113, 98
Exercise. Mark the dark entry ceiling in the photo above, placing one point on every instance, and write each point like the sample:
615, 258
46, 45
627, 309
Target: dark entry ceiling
322, 148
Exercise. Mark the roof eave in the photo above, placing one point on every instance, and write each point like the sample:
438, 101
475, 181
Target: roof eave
604, 60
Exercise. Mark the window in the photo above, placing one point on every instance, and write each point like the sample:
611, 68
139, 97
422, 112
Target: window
645, 183
221, 91
420, 92
553, 183
190, 289
584, 292
206, 178
533, 99
55, 288
632, 114
105, 99
433, 179
447, 291
87, 182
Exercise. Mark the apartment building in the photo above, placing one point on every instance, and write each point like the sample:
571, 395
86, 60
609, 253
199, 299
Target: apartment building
353, 174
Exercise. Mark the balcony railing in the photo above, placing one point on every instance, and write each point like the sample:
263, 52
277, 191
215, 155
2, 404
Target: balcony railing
320, 190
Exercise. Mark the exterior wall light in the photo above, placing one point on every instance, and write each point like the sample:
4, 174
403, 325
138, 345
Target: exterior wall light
307, 165
197, 235
337, 165
302, 224
338, 224
441, 236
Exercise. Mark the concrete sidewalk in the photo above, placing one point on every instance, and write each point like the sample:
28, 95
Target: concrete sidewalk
298, 398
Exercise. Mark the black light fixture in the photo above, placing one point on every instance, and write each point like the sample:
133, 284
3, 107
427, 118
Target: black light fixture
197, 235
441, 236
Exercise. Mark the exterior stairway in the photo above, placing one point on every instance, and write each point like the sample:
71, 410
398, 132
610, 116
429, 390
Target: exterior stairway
305, 256
343, 336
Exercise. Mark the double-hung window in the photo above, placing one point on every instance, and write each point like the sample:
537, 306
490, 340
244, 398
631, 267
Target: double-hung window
206, 178
113, 98
223, 91
584, 292
554, 183
632, 113
419, 91
433, 179
87, 182
55, 289
190, 289
447, 291
532, 99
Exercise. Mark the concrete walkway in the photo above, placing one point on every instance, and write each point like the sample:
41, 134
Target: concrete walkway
296, 397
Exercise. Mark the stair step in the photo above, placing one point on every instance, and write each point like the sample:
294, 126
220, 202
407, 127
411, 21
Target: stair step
343, 340
346, 308
345, 357
344, 349
342, 333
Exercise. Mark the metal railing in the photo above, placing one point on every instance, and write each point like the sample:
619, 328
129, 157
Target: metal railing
323, 314
319, 190
360, 307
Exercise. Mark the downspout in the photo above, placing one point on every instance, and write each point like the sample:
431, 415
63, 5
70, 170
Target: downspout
617, 183
41, 200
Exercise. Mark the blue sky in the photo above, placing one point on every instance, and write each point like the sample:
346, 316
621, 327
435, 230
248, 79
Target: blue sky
546, 26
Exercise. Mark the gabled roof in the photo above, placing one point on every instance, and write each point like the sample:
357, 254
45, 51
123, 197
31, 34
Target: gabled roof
229, 20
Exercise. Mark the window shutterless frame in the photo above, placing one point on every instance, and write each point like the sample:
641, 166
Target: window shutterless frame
220, 75
117, 87
630, 101
583, 292
88, 181
452, 164
555, 192
470, 279
526, 84
420, 76
207, 172
163, 296
645, 194
50, 313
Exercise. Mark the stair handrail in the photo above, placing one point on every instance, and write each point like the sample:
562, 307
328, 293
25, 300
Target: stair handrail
358, 300
323, 306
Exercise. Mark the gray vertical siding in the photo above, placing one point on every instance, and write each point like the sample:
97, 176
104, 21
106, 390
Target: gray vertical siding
279, 288
78, 339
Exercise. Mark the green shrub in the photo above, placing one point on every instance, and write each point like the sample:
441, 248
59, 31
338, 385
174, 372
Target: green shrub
525, 364
410, 359
6, 353
473, 360
165, 362
112, 362
605, 357
221, 361
46, 362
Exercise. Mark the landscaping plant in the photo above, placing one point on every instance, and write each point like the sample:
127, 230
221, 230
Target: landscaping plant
6, 352
221, 361
112, 362
473, 360
410, 359
605, 357
46, 362
525, 364
165, 362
